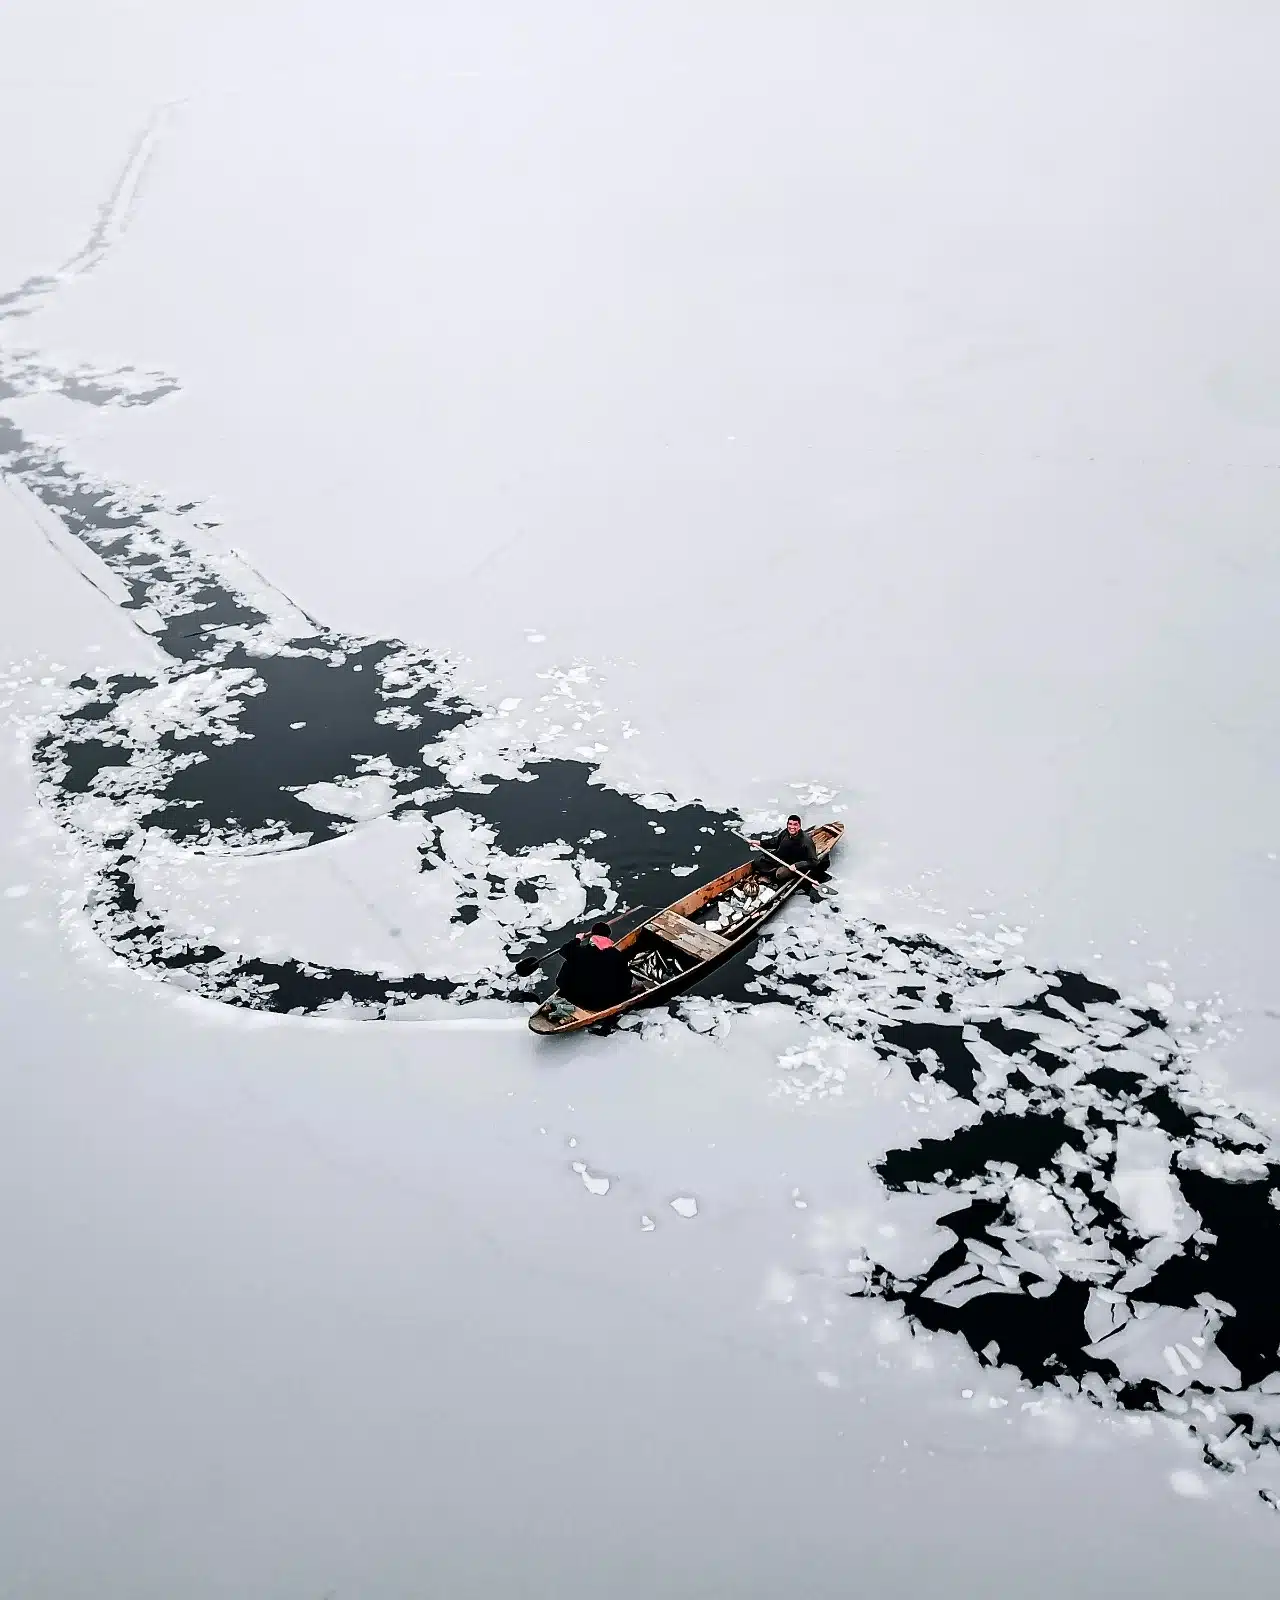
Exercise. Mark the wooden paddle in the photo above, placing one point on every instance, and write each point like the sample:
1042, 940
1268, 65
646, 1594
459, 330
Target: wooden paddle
528, 964
790, 866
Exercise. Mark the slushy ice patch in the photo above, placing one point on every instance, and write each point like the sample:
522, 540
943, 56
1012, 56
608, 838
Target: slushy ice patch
1115, 1224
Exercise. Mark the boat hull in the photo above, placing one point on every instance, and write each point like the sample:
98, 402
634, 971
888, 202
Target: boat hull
676, 933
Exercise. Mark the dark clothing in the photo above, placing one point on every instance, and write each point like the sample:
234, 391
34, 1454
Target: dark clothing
789, 875
592, 978
795, 848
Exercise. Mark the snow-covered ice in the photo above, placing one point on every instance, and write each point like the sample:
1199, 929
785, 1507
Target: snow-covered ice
463, 471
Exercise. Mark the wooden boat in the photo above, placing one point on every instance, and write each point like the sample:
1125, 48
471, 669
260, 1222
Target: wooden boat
676, 947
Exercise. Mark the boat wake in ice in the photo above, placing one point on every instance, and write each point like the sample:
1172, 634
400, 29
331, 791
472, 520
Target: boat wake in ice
1113, 1224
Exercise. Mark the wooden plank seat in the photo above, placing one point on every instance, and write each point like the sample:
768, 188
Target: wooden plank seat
687, 936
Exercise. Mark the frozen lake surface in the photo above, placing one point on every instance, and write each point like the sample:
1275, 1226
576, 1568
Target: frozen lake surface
466, 475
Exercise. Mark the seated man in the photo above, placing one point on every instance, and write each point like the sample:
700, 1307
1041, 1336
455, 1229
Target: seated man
796, 848
595, 974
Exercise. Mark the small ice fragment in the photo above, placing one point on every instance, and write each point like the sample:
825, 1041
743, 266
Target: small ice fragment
15, 891
966, 1394
647, 1224
508, 705
1159, 995
297, 724
536, 638
590, 1182
573, 1144
1190, 1484
685, 1205
1175, 1365
828, 1380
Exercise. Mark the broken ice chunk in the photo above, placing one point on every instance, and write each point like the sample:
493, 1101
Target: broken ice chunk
591, 1182
960, 1286
1143, 1186
1162, 1343
1105, 1313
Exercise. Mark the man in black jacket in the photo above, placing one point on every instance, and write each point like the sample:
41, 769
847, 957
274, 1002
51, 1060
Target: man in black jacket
795, 847
595, 974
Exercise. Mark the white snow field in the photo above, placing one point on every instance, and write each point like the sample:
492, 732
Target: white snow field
465, 467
